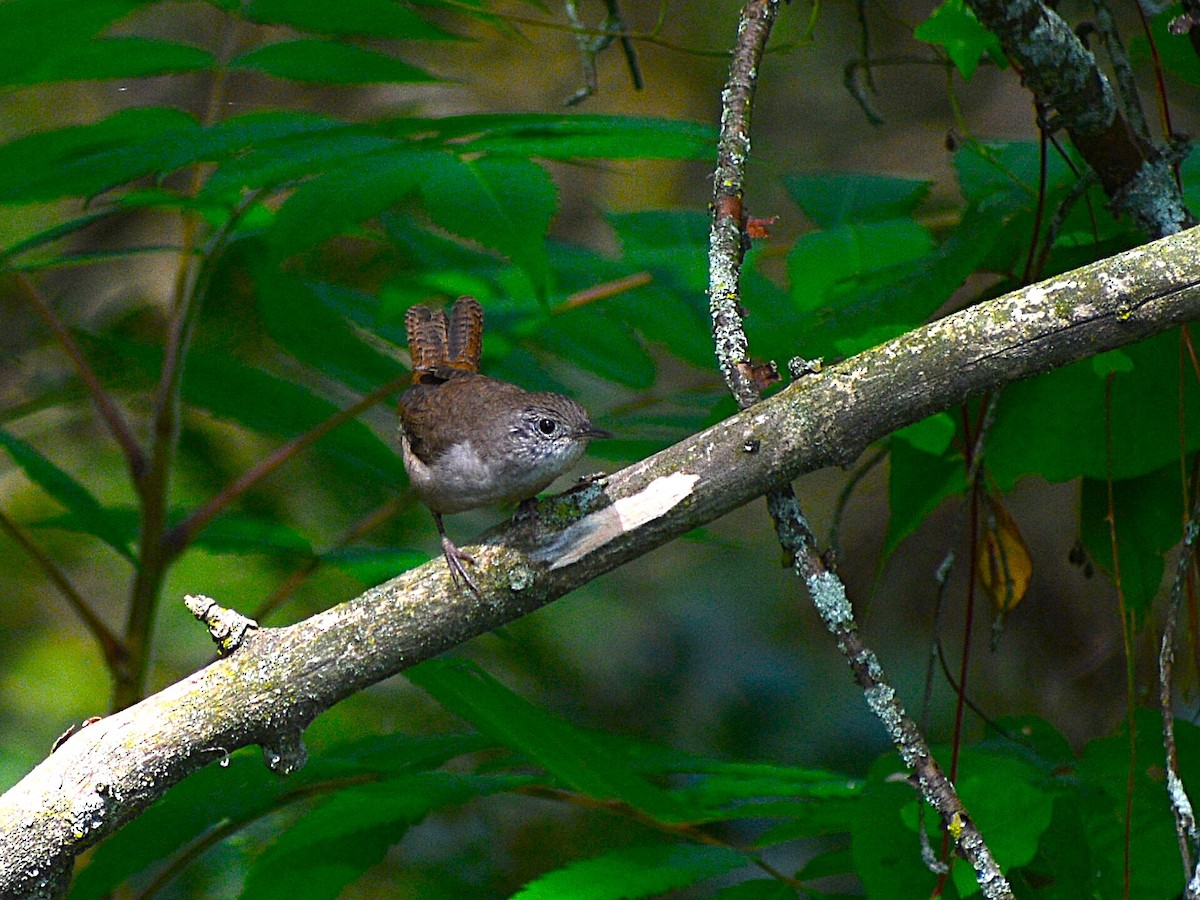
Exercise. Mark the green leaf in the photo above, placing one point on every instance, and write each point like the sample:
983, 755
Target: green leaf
569, 137
373, 565
249, 395
94, 518
119, 57
372, 18
328, 62
932, 435
1054, 425
603, 344
1148, 512
634, 872
1173, 51
953, 27
300, 315
1011, 803
827, 265
268, 163
334, 844
566, 752
758, 889
887, 854
231, 532
37, 33
841, 198
918, 482
504, 204
83, 160
1103, 774
344, 196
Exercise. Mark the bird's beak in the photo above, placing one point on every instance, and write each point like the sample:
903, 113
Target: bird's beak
591, 431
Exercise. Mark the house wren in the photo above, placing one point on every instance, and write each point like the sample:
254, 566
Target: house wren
469, 440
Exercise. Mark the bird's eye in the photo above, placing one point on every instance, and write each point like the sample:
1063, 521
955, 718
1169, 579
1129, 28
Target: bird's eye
547, 426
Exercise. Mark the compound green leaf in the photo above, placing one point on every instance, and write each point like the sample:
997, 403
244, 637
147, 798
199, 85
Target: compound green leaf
328, 62
632, 872
568, 753
373, 18
93, 518
840, 198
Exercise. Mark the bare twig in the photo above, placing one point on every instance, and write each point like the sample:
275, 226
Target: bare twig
117, 424
1181, 805
591, 46
115, 655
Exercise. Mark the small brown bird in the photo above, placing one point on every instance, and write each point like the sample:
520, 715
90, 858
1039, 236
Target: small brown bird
469, 440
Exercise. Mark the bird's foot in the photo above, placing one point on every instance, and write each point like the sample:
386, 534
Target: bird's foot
454, 561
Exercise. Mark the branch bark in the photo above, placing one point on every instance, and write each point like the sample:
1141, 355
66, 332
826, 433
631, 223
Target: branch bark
1063, 73
269, 689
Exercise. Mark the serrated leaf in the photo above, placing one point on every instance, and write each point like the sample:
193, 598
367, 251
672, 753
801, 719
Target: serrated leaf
839, 198
311, 331
602, 344
566, 752
328, 62
591, 137
634, 872
83, 160
504, 204
94, 518
249, 395
341, 197
268, 164
34, 33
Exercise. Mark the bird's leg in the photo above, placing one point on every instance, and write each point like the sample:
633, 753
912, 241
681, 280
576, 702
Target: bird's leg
525, 509
455, 559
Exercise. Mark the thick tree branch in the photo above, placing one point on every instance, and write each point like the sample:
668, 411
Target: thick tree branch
1063, 73
270, 688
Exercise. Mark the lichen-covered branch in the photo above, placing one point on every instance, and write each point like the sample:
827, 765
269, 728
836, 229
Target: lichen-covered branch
1181, 805
1063, 73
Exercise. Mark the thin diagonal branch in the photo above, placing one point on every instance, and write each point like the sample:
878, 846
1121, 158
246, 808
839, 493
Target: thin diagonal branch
115, 655
117, 424
1181, 805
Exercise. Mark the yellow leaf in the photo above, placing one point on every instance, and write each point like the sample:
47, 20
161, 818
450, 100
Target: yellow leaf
1005, 565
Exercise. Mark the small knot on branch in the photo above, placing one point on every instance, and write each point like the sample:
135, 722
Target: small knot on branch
227, 627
